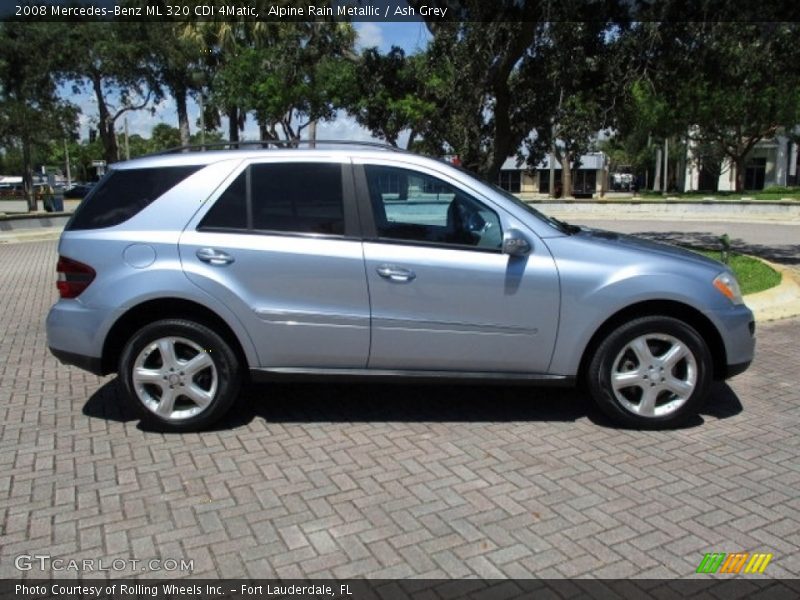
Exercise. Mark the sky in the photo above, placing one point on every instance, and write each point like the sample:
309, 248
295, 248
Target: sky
412, 37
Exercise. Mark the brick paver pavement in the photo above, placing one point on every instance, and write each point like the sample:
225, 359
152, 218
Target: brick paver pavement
381, 481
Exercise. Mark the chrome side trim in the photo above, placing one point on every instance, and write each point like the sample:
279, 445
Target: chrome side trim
407, 376
301, 317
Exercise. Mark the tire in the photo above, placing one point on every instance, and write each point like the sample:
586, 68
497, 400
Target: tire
201, 375
651, 373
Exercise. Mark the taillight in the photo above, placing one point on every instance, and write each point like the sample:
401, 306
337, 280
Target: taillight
73, 277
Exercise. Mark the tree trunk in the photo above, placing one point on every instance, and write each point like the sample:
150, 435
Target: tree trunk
233, 124
566, 175
183, 115
105, 126
657, 173
312, 134
27, 175
739, 165
501, 148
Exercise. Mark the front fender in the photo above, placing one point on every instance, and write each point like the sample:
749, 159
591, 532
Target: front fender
587, 303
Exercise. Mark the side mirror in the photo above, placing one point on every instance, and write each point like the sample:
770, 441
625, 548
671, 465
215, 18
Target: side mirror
516, 244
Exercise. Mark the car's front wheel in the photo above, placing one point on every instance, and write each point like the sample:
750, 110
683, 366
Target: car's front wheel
179, 375
652, 372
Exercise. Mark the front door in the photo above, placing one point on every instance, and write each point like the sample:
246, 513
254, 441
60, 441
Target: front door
443, 295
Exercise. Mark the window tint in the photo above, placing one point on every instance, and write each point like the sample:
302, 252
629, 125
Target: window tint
298, 197
414, 206
230, 209
122, 194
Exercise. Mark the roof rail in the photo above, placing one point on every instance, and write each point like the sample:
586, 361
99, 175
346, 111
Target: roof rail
275, 143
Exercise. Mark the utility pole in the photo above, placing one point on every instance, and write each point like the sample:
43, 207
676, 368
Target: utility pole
666, 166
202, 122
127, 148
552, 160
67, 169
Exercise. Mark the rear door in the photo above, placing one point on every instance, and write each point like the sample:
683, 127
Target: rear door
279, 245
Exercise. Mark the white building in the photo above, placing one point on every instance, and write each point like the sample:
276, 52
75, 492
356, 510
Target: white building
771, 162
590, 178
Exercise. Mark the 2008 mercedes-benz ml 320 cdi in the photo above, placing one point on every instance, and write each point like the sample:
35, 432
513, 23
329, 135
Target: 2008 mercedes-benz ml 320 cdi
188, 272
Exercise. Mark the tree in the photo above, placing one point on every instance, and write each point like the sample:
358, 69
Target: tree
164, 137
31, 113
113, 59
750, 89
289, 78
512, 68
581, 87
487, 67
177, 61
723, 86
221, 41
391, 93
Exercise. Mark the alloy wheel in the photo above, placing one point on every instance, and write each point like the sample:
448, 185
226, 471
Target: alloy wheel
174, 378
654, 375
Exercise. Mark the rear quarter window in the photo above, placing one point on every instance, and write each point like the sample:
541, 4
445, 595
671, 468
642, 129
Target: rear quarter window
124, 193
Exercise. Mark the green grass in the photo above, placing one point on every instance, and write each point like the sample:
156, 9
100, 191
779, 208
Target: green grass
753, 275
787, 194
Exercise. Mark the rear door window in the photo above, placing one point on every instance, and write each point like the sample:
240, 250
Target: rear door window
124, 193
294, 197
298, 197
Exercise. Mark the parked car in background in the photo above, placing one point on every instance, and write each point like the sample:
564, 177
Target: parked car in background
78, 191
187, 273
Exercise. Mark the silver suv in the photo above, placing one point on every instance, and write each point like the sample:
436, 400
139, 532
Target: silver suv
189, 272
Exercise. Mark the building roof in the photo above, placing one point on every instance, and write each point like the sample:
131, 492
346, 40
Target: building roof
591, 161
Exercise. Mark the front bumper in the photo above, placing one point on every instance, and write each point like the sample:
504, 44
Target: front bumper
736, 326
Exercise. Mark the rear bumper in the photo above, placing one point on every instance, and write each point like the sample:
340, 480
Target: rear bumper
93, 364
75, 334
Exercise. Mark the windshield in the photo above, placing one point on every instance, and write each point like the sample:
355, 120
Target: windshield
552, 221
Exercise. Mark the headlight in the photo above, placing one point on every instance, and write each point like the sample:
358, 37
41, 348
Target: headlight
727, 285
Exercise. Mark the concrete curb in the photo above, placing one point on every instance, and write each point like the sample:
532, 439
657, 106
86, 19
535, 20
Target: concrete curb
779, 302
40, 234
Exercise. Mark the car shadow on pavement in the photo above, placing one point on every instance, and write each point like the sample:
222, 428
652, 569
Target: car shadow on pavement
372, 402
380, 402
782, 253
366, 402
108, 403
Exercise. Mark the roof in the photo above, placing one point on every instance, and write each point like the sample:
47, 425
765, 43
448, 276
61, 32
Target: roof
591, 161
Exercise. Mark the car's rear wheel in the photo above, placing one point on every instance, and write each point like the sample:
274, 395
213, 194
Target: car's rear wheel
653, 372
179, 374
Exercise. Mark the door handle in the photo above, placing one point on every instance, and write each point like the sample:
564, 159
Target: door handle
393, 273
214, 257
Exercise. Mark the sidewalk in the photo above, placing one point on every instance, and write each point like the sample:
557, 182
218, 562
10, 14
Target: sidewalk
39, 234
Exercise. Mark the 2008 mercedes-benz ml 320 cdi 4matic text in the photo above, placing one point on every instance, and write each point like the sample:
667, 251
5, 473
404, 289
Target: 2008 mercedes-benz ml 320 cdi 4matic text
188, 272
